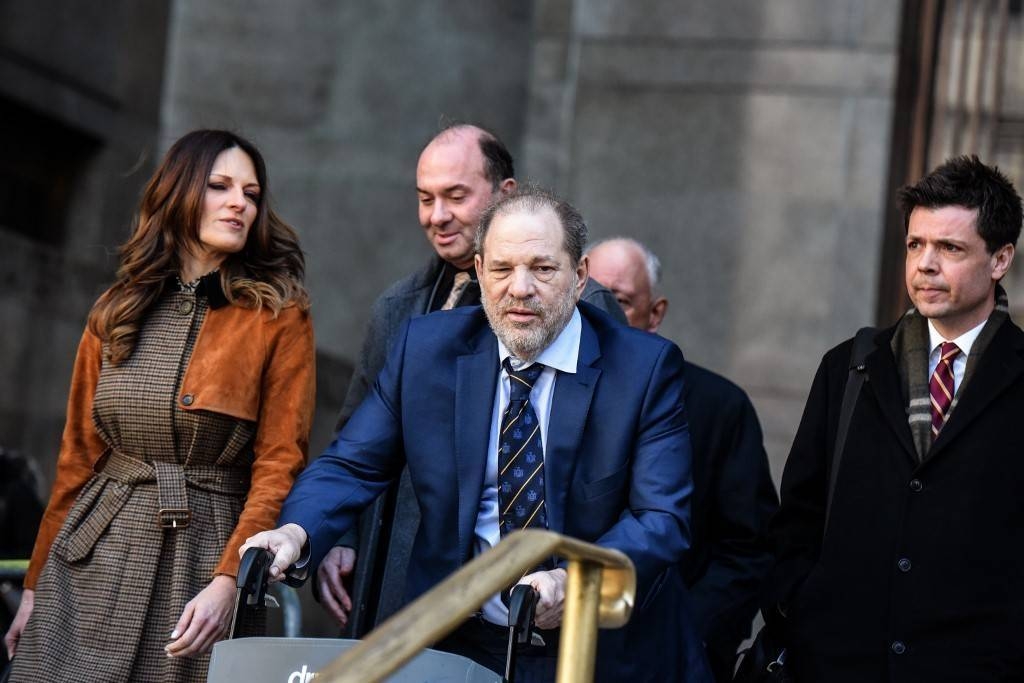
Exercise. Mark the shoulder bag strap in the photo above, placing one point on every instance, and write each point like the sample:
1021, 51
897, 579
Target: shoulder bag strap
863, 344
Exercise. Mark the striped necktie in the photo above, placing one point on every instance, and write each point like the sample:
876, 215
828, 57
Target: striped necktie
941, 386
458, 286
521, 456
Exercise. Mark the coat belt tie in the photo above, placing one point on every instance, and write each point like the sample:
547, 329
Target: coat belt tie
172, 481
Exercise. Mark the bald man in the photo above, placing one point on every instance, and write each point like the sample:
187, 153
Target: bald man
733, 491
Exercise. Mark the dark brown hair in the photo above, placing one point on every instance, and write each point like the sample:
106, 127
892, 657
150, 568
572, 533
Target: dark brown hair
965, 181
268, 271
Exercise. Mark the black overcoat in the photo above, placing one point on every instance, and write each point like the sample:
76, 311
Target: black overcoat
733, 499
920, 575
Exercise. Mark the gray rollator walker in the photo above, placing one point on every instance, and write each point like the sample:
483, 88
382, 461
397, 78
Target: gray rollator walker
298, 660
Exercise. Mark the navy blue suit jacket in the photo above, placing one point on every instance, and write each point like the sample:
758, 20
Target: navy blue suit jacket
617, 465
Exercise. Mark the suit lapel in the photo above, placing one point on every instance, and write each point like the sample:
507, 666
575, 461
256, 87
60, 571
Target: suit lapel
476, 378
999, 367
884, 381
570, 406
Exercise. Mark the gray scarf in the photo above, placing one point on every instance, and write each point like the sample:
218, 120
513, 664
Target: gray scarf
910, 348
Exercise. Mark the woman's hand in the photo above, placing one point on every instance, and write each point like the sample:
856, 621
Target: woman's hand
205, 620
28, 601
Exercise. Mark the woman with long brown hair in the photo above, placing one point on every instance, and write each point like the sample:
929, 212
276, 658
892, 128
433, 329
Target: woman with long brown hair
187, 422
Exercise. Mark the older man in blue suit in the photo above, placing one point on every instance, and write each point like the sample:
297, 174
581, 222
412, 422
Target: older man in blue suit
598, 439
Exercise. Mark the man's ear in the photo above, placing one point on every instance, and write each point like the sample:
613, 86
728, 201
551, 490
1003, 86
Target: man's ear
1002, 258
582, 273
658, 309
478, 263
507, 186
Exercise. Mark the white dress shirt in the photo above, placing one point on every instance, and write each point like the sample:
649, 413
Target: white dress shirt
562, 355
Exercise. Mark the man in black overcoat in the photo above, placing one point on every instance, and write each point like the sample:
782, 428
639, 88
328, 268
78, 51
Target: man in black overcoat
918, 575
733, 493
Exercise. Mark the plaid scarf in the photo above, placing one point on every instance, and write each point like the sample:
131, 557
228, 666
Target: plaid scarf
910, 348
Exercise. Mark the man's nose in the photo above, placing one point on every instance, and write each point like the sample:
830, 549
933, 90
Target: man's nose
439, 214
522, 285
927, 260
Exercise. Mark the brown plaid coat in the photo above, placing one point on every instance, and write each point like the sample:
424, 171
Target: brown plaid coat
207, 421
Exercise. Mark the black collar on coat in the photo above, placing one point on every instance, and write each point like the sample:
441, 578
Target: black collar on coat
210, 285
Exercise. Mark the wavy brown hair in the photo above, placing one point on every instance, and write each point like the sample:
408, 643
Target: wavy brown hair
268, 271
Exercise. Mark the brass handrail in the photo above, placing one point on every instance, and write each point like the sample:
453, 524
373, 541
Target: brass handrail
600, 592
13, 569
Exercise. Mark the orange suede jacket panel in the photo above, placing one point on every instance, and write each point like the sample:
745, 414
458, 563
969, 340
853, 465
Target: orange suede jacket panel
246, 364
80, 448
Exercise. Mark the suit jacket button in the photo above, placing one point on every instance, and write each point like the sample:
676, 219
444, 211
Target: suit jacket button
898, 647
916, 485
904, 565
187, 399
186, 307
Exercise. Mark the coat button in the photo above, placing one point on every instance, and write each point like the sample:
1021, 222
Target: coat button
916, 485
904, 565
898, 647
186, 306
187, 399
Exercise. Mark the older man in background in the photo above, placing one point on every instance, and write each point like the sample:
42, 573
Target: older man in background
733, 491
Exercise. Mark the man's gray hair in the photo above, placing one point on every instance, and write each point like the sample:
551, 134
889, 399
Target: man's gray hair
532, 198
651, 260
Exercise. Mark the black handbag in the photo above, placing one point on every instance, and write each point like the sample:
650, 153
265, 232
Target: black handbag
765, 660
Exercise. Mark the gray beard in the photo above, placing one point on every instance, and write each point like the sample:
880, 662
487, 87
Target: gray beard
526, 343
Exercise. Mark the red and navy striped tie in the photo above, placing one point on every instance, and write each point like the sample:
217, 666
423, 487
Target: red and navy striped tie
941, 387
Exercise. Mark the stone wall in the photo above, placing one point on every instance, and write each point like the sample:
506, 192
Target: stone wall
79, 104
746, 143
341, 98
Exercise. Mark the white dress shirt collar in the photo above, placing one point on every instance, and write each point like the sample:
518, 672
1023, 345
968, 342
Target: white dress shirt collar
964, 342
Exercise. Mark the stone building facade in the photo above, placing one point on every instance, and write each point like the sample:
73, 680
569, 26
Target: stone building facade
749, 143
